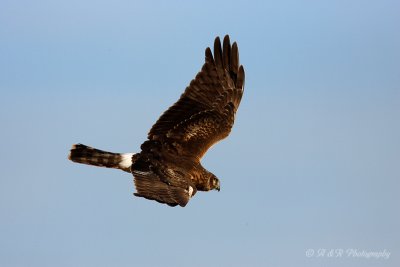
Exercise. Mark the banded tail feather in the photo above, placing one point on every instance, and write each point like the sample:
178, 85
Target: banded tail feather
91, 156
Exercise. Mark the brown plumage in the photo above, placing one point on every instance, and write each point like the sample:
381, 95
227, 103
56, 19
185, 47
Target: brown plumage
168, 168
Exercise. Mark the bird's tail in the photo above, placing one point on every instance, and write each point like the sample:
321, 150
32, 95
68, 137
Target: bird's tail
88, 155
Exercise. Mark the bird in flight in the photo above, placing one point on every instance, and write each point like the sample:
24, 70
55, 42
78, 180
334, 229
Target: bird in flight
168, 168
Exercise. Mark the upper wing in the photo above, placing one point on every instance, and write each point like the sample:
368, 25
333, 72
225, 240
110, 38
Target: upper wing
205, 112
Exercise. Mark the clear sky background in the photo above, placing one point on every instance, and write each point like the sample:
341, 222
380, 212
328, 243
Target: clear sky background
313, 161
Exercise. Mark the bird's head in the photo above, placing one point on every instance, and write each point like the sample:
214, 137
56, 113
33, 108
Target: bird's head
214, 183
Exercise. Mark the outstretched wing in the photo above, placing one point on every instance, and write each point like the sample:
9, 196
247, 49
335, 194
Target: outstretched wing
205, 112
161, 183
149, 186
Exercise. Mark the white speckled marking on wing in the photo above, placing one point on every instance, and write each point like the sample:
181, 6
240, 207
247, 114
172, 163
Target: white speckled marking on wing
190, 191
142, 173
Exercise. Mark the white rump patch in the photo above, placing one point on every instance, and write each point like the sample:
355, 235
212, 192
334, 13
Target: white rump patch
126, 160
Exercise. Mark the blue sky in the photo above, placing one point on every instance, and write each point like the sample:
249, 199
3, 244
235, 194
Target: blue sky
312, 161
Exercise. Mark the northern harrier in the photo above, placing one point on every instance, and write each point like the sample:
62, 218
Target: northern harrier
168, 168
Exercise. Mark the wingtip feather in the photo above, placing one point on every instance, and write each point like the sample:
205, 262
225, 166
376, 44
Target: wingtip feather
226, 52
217, 51
208, 54
235, 57
241, 77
